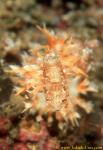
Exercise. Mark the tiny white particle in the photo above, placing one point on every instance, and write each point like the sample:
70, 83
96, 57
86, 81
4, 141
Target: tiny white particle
64, 70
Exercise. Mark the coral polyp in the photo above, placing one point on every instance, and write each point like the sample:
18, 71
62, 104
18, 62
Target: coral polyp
55, 75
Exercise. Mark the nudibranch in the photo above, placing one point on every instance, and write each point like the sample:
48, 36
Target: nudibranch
55, 75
